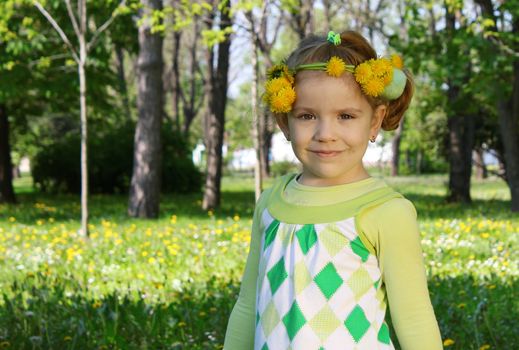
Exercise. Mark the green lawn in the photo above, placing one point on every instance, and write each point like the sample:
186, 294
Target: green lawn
171, 283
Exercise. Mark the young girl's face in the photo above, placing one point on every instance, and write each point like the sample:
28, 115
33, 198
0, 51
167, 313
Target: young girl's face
330, 126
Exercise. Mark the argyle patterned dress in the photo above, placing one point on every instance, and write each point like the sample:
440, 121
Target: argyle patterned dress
318, 288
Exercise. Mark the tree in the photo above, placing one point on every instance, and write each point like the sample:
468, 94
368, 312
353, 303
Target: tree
80, 56
145, 183
507, 103
216, 97
6, 167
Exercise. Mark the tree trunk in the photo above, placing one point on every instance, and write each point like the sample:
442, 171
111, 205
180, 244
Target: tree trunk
395, 146
177, 35
256, 122
6, 166
215, 122
481, 169
119, 53
267, 131
190, 104
461, 141
145, 184
509, 126
84, 124
461, 132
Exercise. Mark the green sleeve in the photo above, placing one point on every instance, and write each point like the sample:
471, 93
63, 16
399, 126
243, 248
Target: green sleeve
393, 230
241, 326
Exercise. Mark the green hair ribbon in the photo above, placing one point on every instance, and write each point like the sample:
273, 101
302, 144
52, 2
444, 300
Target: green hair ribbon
334, 38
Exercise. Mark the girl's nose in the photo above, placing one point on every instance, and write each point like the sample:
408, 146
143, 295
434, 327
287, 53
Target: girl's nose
325, 131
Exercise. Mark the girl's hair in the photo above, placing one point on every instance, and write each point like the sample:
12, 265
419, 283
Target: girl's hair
354, 49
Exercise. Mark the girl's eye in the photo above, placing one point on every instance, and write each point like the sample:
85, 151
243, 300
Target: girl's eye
345, 116
306, 116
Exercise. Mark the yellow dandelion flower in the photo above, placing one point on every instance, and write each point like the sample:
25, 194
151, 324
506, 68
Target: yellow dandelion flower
363, 73
448, 342
283, 100
335, 67
288, 76
381, 67
396, 61
275, 85
484, 347
374, 87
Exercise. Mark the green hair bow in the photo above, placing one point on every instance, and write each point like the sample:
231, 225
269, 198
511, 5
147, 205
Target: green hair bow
334, 38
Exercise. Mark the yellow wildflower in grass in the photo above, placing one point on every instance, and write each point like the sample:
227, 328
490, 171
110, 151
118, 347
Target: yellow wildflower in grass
67, 338
181, 324
461, 305
236, 217
484, 347
448, 342
373, 87
397, 62
485, 235
151, 260
335, 66
363, 72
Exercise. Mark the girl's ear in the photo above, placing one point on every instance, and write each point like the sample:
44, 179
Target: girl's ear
282, 120
378, 116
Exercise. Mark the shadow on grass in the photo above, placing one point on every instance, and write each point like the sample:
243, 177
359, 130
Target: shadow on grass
48, 313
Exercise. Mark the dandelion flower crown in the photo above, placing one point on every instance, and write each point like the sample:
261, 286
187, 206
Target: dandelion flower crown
381, 77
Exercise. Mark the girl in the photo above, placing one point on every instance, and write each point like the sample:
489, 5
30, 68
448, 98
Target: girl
332, 246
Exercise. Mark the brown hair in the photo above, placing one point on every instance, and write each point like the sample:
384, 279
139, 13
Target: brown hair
354, 49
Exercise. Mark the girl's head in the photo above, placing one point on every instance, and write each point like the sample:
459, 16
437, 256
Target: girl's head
331, 118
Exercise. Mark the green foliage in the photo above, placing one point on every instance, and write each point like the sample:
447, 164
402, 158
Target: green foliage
282, 168
56, 166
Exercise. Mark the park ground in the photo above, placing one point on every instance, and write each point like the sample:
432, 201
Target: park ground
171, 283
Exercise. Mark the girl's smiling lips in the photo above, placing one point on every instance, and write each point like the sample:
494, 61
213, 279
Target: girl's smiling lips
325, 153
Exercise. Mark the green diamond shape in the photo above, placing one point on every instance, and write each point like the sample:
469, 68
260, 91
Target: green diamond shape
270, 233
360, 282
357, 323
359, 248
383, 334
324, 323
306, 237
328, 280
377, 283
277, 275
265, 347
294, 320
257, 317
270, 318
333, 239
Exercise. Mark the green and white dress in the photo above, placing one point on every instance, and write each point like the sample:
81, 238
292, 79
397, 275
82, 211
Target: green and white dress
314, 279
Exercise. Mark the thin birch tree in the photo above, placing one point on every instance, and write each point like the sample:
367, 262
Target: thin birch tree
79, 19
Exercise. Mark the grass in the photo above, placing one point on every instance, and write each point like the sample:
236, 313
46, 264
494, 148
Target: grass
171, 283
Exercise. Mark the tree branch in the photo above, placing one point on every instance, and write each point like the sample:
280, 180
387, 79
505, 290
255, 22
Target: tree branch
58, 29
101, 29
72, 18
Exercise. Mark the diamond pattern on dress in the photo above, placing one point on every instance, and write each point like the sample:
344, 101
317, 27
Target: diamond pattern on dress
328, 280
